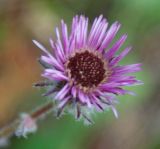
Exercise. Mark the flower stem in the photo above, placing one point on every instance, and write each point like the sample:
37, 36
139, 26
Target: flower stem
41, 111
10, 129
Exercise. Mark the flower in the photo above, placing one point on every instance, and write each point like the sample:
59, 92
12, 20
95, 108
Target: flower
83, 71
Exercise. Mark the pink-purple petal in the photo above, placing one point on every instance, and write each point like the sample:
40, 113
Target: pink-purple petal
117, 59
63, 92
109, 36
52, 61
39, 45
74, 92
110, 53
81, 96
65, 36
94, 28
63, 102
119, 70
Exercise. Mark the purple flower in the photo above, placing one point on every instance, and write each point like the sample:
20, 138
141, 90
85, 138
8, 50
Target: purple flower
83, 71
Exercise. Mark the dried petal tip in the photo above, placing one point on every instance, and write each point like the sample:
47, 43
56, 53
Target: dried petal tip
27, 125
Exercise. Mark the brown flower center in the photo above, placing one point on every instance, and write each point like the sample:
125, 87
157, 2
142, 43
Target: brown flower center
86, 69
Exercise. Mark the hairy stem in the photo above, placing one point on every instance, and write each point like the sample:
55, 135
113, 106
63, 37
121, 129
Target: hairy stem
10, 129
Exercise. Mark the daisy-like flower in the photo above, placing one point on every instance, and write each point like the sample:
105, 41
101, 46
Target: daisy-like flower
82, 70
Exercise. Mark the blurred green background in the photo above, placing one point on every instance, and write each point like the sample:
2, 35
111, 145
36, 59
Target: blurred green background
138, 125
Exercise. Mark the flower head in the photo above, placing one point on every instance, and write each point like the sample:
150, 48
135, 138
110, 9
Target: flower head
83, 71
